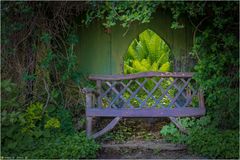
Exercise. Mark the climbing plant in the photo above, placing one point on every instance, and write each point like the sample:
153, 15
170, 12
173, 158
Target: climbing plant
124, 12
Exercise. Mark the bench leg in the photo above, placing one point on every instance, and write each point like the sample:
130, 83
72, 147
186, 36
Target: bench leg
178, 125
109, 127
89, 126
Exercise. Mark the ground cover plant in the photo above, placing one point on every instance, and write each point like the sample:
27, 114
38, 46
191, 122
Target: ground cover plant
42, 107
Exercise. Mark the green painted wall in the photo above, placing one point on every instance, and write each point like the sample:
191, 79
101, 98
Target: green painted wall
100, 52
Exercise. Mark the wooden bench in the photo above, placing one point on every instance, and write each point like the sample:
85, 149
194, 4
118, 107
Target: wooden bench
149, 94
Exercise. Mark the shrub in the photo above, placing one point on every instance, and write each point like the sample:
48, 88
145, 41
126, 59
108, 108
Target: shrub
204, 138
65, 146
32, 134
214, 143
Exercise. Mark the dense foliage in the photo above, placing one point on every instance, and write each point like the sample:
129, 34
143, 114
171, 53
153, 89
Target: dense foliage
37, 55
32, 134
42, 104
216, 48
204, 138
124, 13
217, 72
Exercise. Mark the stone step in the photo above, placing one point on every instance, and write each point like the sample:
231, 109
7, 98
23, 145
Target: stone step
152, 145
139, 149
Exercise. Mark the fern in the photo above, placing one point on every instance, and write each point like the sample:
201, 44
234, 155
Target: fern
150, 53
165, 67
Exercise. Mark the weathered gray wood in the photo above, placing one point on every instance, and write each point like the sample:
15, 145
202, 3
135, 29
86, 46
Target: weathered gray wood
147, 112
150, 93
179, 93
138, 144
129, 90
89, 126
176, 86
89, 105
109, 101
109, 127
142, 75
89, 100
135, 93
164, 92
178, 125
110, 85
119, 95
90, 90
188, 100
99, 90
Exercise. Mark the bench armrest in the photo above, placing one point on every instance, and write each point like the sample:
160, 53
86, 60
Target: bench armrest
91, 95
90, 91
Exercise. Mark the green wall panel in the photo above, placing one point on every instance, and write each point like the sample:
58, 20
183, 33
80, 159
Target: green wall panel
93, 50
100, 52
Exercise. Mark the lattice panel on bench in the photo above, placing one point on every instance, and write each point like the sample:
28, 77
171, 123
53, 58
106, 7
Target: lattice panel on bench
154, 92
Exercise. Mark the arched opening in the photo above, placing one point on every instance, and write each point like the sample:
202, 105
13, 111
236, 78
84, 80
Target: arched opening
148, 52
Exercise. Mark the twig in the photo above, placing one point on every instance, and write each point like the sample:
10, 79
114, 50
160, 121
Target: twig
126, 31
48, 97
197, 29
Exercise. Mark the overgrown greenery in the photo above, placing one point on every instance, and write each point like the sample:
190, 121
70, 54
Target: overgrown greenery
37, 134
37, 54
217, 72
42, 104
124, 13
204, 138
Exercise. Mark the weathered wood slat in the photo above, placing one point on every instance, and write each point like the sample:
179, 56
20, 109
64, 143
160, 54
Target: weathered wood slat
150, 93
109, 102
129, 90
110, 85
146, 112
109, 127
119, 95
89, 126
188, 100
164, 92
135, 93
99, 90
142, 75
179, 93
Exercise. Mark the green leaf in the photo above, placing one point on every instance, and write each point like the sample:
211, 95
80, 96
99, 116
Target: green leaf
165, 67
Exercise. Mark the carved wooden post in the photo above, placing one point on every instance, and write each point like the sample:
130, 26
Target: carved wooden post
99, 99
89, 119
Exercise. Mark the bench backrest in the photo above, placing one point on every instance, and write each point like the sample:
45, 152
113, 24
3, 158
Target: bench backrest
149, 94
